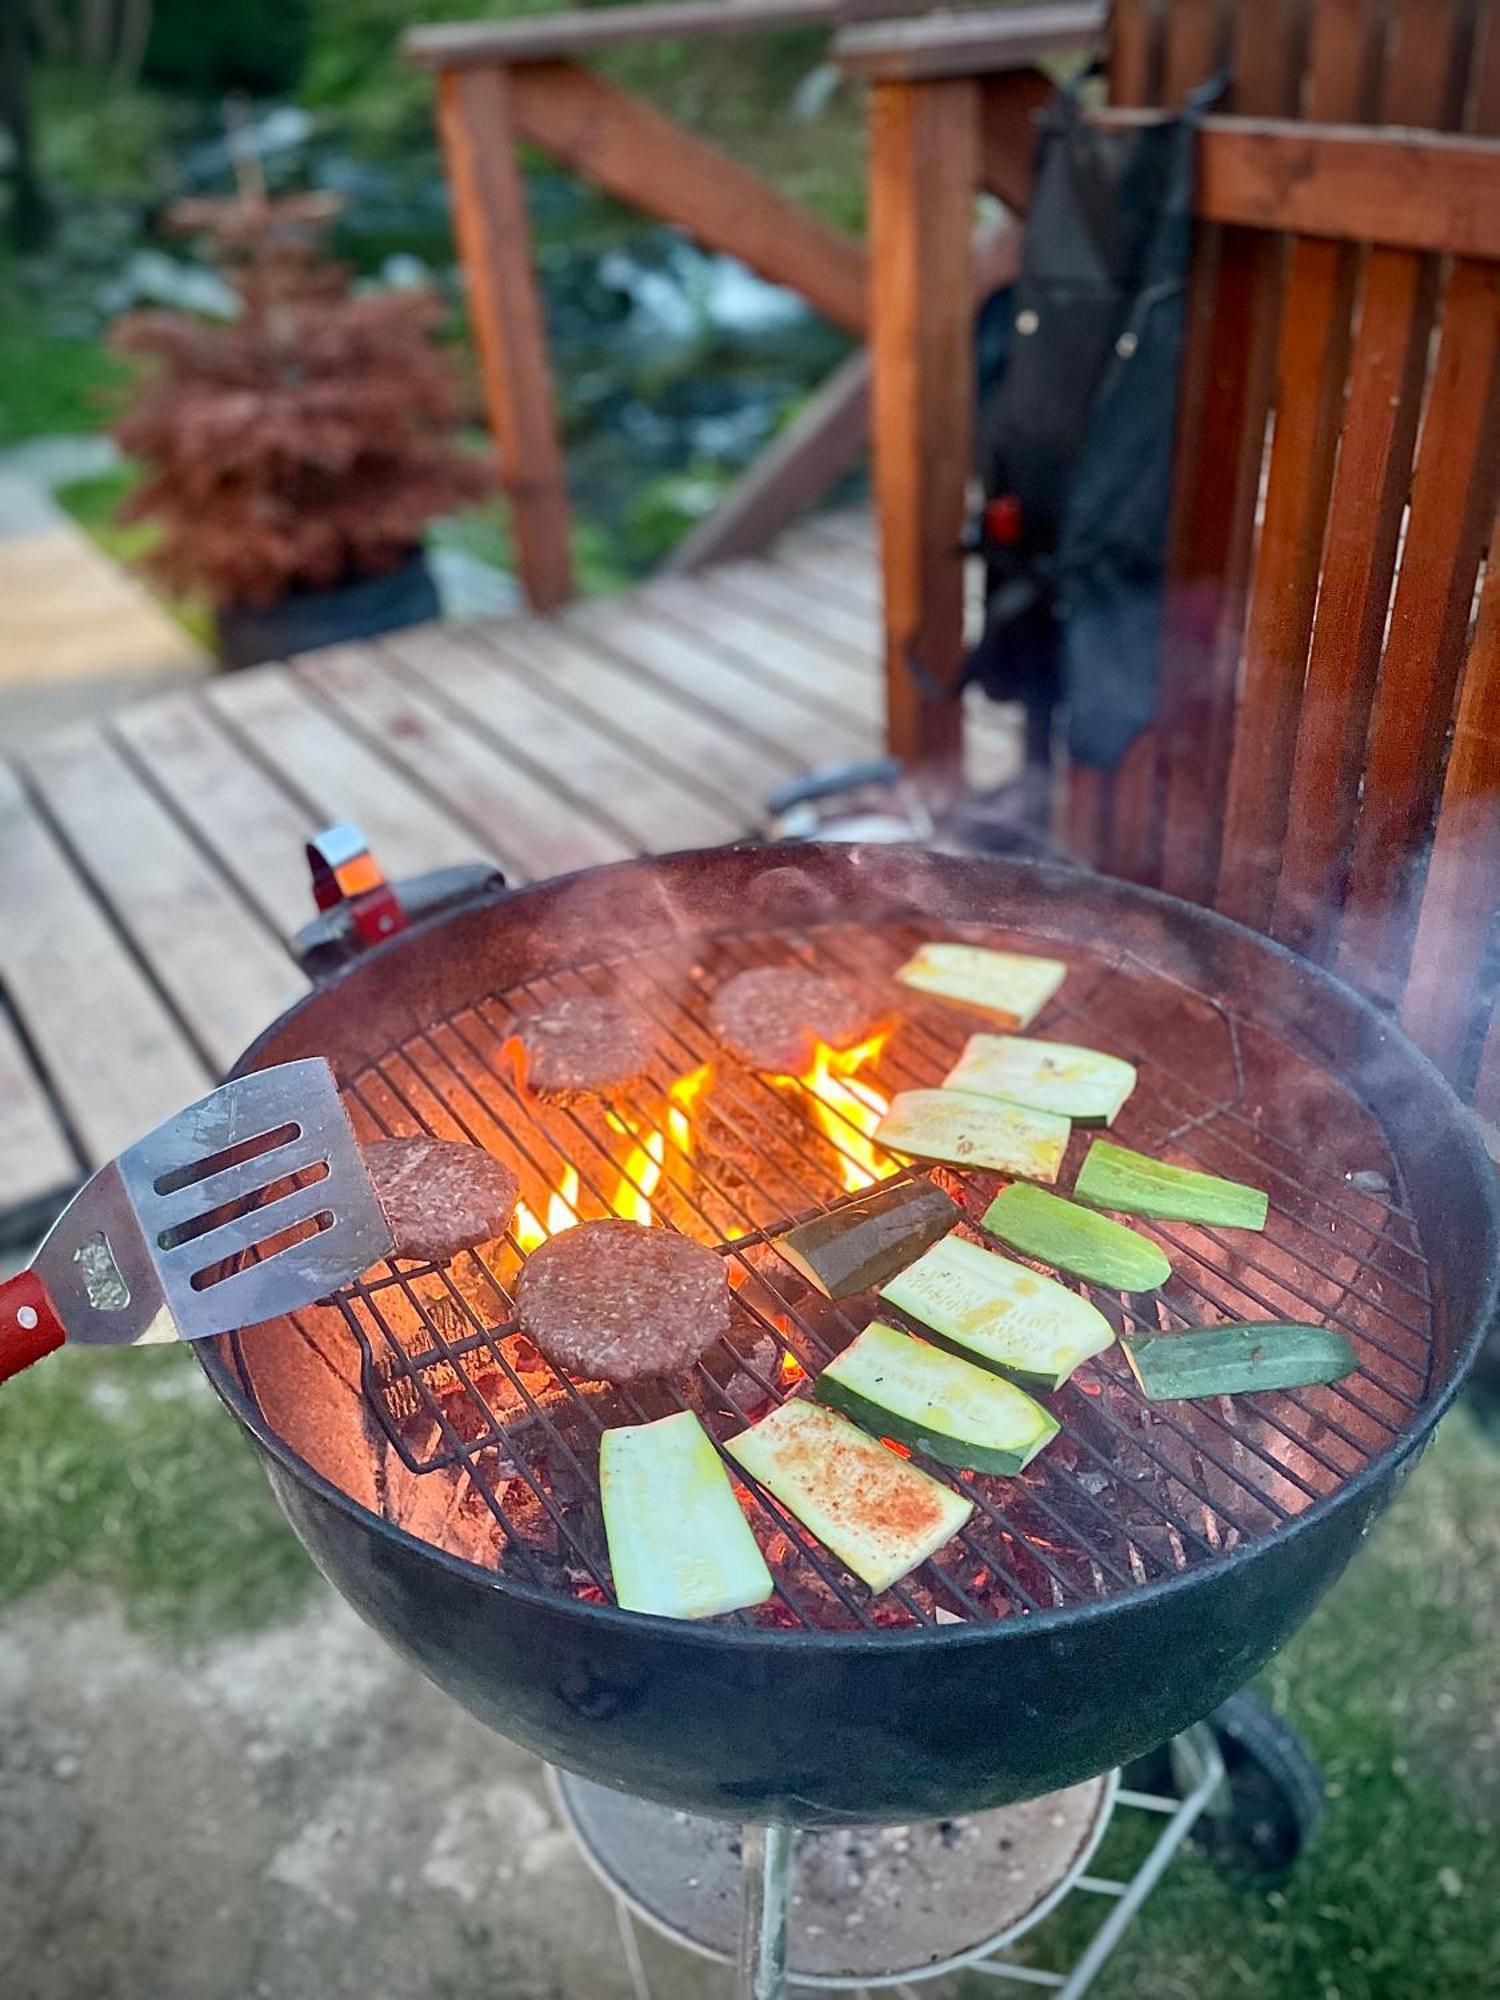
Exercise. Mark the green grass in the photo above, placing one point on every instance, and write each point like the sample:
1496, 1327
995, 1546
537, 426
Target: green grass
50, 383
95, 138
1394, 1684
482, 531
121, 1470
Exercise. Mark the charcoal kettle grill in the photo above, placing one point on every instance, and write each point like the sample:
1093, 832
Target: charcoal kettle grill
1141, 1570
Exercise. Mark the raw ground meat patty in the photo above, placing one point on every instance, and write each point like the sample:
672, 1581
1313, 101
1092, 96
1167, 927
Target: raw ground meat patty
440, 1197
583, 1045
771, 1017
612, 1301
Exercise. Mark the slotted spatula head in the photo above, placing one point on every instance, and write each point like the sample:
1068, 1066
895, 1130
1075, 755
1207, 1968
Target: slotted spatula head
187, 1233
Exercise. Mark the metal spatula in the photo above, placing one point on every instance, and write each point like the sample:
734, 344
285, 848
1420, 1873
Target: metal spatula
158, 1245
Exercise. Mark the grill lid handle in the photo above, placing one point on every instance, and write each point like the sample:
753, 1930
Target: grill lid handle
359, 907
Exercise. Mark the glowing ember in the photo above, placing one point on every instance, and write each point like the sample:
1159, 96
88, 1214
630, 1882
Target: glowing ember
848, 1110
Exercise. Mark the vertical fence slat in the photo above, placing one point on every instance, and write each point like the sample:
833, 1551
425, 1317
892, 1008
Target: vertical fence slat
1463, 872
1312, 358
1487, 1083
1452, 501
1218, 481
1194, 48
1369, 496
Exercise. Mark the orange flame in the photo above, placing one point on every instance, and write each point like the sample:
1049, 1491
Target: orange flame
639, 1178
848, 1109
643, 1168
562, 1213
790, 1371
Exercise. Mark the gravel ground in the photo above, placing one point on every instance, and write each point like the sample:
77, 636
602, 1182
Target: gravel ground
294, 1816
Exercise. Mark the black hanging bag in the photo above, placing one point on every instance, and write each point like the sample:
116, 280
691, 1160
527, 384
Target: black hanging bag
1079, 366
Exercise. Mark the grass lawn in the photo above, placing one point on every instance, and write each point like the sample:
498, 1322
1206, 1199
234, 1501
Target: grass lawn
51, 384
121, 1471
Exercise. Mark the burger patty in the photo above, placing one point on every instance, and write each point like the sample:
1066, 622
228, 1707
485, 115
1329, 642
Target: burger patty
440, 1197
584, 1045
773, 1016
615, 1302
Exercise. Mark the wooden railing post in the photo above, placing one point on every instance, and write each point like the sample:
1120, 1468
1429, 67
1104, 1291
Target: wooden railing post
476, 119
924, 170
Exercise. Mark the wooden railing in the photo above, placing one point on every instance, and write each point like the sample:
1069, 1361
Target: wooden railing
503, 83
1324, 762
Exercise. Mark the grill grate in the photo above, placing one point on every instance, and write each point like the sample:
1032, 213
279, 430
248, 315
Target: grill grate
1127, 1493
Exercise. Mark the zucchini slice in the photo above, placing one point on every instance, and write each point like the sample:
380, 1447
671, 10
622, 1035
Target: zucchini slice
679, 1545
990, 1310
956, 1413
1236, 1360
1114, 1177
974, 1131
1070, 1238
867, 1241
1008, 984
1077, 1083
879, 1515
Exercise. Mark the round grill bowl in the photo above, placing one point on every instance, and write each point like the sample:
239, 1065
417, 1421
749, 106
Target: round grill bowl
851, 1725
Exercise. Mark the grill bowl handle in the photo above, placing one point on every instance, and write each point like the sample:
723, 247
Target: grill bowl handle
29, 1325
332, 940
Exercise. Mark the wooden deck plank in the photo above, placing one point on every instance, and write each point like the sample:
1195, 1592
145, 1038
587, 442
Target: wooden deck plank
224, 973
848, 528
836, 572
698, 746
116, 1058
255, 828
337, 772
791, 597
532, 829
807, 663
37, 1162
651, 810
145, 912
720, 682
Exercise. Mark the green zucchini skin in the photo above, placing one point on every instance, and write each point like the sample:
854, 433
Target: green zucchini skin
1070, 1238
862, 1244
895, 1386
1134, 1184
933, 1444
985, 1308
1237, 1360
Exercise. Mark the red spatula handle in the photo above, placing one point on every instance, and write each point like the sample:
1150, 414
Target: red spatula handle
29, 1326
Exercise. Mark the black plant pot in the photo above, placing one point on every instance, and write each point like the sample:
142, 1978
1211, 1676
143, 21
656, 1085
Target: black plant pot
311, 618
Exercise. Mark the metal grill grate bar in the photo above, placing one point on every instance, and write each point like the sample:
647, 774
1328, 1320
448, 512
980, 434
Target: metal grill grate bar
1128, 1491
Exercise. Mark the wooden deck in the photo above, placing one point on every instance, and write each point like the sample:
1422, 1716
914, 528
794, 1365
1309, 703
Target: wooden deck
152, 869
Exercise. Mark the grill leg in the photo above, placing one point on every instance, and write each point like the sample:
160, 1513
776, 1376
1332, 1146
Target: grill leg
767, 1865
